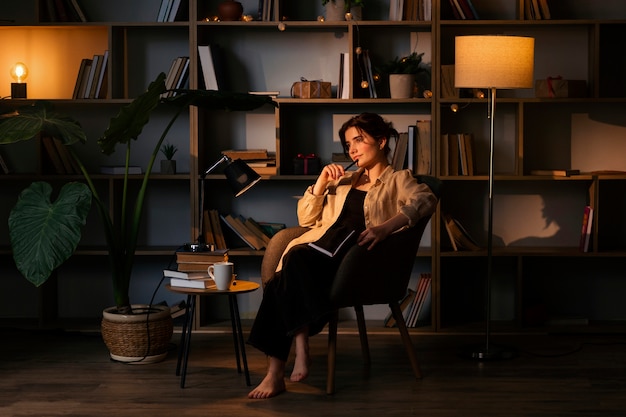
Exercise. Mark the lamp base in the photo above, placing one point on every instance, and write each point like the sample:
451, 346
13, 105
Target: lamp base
489, 352
18, 90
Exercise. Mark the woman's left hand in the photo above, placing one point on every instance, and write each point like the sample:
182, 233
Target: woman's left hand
372, 235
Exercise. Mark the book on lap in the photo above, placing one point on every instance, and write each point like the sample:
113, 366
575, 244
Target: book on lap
333, 240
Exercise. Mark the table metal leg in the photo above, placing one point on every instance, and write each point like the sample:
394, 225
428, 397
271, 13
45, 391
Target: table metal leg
238, 331
185, 340
233, 321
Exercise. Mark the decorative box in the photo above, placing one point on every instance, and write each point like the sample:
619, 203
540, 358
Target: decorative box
307, 164
310, 89
557, 87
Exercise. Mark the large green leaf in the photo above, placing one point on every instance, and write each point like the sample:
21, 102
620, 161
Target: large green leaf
44, 234
132, 118
26, 122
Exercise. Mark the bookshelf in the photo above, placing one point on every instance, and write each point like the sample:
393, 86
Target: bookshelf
540, 273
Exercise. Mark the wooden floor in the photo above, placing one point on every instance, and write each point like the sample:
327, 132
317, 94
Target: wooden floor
60, 373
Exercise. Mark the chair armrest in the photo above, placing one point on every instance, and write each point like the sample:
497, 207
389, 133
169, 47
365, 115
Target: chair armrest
275, 249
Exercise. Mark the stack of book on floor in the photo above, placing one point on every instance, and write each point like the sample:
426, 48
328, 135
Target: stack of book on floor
260, 160
182, 279
199, 261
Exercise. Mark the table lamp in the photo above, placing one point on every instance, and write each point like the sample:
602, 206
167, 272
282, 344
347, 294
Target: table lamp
240, 178
492, 62
19, 72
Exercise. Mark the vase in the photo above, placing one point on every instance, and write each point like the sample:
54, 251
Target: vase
139, 338
335, 10
229, 10
401, 85
168, 166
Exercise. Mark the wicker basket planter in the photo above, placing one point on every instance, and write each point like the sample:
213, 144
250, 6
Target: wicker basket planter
140, 338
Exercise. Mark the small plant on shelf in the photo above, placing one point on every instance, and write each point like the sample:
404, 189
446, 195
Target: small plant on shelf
168, 150
348, 4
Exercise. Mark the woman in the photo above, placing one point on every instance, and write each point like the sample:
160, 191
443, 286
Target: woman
374, 201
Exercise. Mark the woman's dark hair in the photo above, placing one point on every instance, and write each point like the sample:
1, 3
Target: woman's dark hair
372, 124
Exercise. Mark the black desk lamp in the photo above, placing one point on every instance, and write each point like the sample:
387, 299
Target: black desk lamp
240, 178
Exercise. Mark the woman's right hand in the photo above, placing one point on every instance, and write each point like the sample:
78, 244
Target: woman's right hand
329, 173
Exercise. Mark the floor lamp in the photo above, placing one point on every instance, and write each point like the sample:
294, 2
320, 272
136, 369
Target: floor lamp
492, 62
240, 178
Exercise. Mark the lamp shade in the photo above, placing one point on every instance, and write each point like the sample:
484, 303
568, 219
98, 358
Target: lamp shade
240, 176
494, 61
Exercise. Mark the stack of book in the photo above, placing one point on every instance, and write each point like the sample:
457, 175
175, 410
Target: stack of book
181, 279
177, 75
91, 81
57, 158
457, 154
199, 261
260, 160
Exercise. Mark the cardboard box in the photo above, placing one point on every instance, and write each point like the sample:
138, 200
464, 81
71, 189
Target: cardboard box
310, 89
558, 88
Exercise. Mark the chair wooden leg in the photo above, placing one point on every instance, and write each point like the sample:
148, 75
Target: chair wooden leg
332, 352
406, 339
365, 347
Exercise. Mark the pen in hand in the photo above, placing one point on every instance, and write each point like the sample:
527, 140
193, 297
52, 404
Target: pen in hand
351, 165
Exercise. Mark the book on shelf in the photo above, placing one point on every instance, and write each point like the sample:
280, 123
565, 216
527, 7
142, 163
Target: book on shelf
170, 273
234, 228
53, 156
66, 159
211, 63
423, 287
119, 169
425, 305
268, 170
256, 228
247, 154
206, 283
101, 85
271, 228
239, 221
95, 64
77, 11
585, 234
207, 232
272, 94
468, 152
343, 87
81, 78
218, 232
555, 172
400, 151
423, 147
459, 237
448, 90
333, 240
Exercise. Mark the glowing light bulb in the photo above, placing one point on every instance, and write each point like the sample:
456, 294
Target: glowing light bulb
19, 72
454, 107
364, 84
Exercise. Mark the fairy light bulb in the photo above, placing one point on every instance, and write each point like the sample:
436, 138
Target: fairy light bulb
454, 107
19, 72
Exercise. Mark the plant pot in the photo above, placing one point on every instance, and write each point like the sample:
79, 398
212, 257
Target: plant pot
140, 338
401, 85
168, 166
335, 11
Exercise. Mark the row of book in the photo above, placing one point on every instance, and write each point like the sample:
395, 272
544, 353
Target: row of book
416, 304
171, 10
464, 10
211, 63
57, 158
62, 11
269, 11
91, 81
413, 149
410, 10
537, 9
261, 161
224, 231
177, 75
457, 154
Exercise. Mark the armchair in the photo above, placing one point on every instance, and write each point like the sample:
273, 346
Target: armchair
358, 281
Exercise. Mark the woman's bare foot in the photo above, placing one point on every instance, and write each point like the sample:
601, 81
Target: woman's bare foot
303, 360
273, 383
271, 386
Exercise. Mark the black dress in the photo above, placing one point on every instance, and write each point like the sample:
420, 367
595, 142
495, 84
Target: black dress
298, 295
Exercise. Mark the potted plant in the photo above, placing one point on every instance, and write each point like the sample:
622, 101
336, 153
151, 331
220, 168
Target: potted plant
336, 9
45, 233
403, 72
168, 166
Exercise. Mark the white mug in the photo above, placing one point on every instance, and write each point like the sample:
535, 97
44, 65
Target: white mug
222, 274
